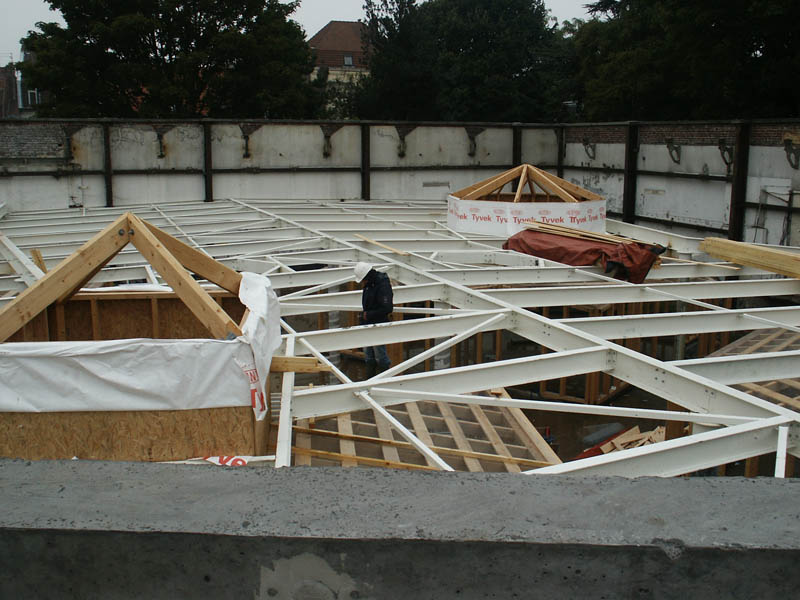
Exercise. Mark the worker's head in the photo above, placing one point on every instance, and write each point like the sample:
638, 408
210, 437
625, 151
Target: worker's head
361, 269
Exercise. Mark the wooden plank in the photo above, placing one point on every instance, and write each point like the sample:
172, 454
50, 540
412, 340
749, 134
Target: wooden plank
770, 259
528, 434
306, 453
196, 261
385, 432
379, 244
38, 259
346, 445
523, 179
493, 437
65, 278
298, 364
301, 451
208, 312
458, 435
420, 429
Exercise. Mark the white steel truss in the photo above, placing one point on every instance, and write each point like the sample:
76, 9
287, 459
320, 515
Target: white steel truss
451, 287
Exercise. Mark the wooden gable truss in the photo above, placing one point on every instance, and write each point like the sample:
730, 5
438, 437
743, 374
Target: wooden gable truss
551, 188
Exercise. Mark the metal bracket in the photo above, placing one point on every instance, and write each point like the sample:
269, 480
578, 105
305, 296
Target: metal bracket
726, 152
472, 133
247, 130
402, 132
590, 148
674, 151
327, 132
161, 131
792, 153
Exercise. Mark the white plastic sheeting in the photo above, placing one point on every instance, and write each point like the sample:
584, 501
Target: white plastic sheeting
147, 374
136, 374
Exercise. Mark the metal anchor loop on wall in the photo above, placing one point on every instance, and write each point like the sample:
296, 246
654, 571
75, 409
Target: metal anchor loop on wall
327, 132
402, 132
590, 148
472, 133
247, 130
674, 151
726, 152
161, 131
792, 152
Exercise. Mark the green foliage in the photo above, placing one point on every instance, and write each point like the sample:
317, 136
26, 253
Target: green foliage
462, 60
172, 58
670, 59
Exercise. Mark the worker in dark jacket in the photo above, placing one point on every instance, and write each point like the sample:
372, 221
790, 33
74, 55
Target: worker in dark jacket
376, 302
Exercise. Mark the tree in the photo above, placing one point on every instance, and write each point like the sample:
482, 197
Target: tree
670, 59
172, 58
464, 60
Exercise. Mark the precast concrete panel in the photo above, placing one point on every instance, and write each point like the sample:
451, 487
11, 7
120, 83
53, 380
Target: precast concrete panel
299, 186
606, 183
137, 147
157, 189
597, 155
439, 146
771, 161
87, 148
539, 146
43, 193
703, 203
424, 185
705, 160
285, 146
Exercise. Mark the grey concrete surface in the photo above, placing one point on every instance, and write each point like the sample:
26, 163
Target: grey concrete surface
80, 529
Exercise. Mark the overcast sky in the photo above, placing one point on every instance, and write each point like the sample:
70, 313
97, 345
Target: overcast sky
20, 16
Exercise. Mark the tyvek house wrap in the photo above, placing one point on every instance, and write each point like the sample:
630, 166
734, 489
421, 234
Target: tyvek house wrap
147, 374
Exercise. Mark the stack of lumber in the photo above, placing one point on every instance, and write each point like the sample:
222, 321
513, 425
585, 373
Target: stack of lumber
633, 438
579, 233
769, 259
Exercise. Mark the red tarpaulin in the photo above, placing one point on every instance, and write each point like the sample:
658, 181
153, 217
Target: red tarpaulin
632, 260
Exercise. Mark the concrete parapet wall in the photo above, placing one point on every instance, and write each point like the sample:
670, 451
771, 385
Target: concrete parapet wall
124, 530
673, 174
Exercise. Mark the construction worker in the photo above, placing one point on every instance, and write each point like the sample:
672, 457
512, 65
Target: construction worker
376, 302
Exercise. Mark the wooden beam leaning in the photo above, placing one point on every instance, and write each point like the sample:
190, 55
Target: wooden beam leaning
197, 300
65, 278
769, 259
198, 262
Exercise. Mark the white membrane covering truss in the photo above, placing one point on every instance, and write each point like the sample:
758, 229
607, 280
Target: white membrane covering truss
308, 250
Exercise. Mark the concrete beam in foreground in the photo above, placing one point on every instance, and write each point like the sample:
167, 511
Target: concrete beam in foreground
80, 529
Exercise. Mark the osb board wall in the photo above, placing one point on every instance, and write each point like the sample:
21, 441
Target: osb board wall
102, 316
136, 436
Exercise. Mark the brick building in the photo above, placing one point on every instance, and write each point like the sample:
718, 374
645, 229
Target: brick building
339, 48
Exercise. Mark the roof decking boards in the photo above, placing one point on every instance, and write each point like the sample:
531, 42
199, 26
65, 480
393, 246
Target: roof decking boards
452, 284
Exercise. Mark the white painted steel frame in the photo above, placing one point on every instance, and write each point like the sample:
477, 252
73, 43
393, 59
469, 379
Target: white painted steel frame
431, 263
